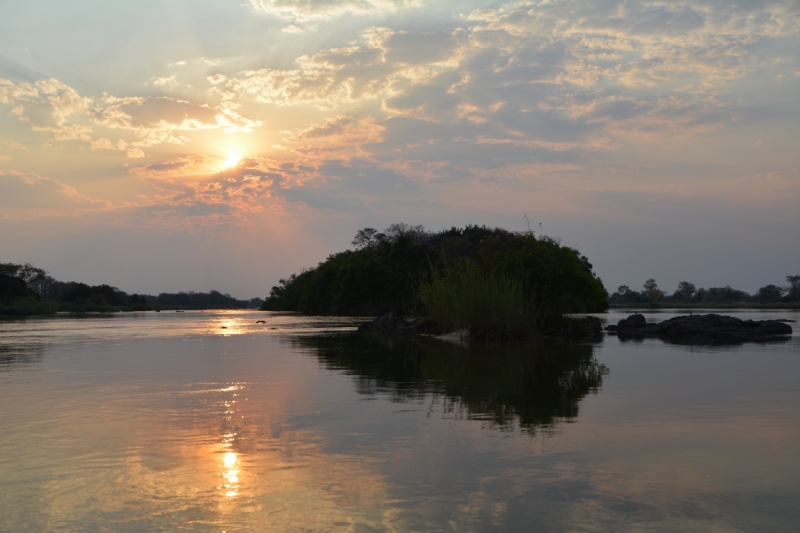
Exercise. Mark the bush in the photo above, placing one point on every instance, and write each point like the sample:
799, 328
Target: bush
516, 286
496, 306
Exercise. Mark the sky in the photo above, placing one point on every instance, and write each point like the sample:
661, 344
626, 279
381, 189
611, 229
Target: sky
196, 145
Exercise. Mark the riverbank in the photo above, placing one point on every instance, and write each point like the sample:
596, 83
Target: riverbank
707, 305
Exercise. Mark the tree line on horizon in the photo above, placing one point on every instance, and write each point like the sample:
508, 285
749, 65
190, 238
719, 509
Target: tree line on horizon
688, 293
25, 289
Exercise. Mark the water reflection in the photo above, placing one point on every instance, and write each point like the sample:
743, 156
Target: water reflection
230, 429
534, 385
703, 341
15, 355
231, 474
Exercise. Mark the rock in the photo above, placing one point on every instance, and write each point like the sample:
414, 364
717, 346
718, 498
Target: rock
390, 324
711, 327
588, 326
260, 322
631, 323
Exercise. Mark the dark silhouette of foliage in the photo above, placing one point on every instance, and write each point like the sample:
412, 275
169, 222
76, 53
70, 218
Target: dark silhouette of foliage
25, 289
12, 288
17, 290
385, 271
685, 291
199, 300
726, 294
769, 294
793, 290
652, 291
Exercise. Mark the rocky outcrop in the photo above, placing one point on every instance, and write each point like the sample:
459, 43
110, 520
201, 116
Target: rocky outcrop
711, 327
390, 324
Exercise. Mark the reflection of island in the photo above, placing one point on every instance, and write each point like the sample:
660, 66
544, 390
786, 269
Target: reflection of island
534, 384
13, 356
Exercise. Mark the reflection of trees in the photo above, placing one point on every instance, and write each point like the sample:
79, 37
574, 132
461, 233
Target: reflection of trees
15, 355
535, 384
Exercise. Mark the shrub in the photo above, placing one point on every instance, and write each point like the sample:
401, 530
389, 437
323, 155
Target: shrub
496, 306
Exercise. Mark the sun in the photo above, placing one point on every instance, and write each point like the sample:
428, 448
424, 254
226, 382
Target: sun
231, 160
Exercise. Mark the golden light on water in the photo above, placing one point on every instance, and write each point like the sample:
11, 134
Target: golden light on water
229, 459
230, 474
228, 326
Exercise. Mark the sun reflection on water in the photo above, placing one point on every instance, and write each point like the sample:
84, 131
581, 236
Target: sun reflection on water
230, 474
230, 467
228, 326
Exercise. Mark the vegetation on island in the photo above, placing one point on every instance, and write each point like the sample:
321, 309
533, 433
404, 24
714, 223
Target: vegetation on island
27, 290
688, 295
492, 282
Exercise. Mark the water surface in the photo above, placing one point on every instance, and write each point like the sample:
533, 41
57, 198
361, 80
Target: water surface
211, 422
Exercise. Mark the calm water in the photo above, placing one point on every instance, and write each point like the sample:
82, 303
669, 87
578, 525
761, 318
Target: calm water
210, 422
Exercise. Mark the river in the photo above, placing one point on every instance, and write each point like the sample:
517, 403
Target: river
210, 421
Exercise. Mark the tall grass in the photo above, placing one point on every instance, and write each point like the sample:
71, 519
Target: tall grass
496, 306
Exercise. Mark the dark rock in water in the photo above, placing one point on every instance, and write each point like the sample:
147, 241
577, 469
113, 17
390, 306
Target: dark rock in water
260, 322
633, 322
588, 326
389, 324
711, 327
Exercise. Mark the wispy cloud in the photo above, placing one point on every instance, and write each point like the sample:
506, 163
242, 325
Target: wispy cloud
315, 10
26, 195
51, 106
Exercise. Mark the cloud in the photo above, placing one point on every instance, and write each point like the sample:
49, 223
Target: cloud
367, 68
192, 186
315, 10
195, 186
170, 80
25, 195
53, 107
105, 144
542, 83
47, 105
11, 145
101, 144
158, 120
340, 138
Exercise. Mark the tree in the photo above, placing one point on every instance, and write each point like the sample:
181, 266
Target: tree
652, 291
770, 293
793, 290
27, 272
368, 238
417, 234
685, 291
12, 288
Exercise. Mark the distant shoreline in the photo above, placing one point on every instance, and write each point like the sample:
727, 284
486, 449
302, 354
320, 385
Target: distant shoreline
709, 305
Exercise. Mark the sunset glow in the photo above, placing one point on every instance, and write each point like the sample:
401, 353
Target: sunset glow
659, 138
231, 160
